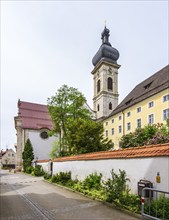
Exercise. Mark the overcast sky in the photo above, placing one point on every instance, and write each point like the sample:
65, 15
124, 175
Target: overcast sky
45, 44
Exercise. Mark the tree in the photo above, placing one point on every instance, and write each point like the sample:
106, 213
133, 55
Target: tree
27, 155
67, 103
87, 138
79, 132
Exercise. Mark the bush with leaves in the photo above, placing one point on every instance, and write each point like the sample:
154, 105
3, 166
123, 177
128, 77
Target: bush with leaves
116, 185
159, 208
29, 169
150, 134
63, 178
38, 170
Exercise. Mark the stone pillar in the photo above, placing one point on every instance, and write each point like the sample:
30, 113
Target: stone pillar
19, 143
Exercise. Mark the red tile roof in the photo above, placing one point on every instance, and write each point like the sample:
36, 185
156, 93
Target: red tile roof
135, 152
34, 116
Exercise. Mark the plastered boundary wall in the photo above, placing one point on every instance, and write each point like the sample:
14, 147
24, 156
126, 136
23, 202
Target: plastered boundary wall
137, 166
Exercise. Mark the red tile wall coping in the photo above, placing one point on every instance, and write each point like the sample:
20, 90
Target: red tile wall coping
129, 153
42, 161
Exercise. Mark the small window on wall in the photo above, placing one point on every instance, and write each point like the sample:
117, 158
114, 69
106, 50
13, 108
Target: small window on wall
150, 104
44, 135
110, 83
166, 98
128, 114
98, 86
166, 114
98, 108
110, 106
106, 133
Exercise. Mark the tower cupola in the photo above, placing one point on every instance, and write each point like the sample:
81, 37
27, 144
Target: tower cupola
106, 52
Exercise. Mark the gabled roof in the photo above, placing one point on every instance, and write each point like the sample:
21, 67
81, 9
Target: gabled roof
160, 150
34, 116
149, 87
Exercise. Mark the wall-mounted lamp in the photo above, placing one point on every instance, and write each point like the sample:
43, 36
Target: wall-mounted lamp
158, 178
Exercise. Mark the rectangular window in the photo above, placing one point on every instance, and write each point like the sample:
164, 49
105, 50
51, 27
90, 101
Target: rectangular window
166, 98
106, 133
151, 119
112, 131
166, 114
150, 104
128, 114
139, 123
106, 123
112, 120
128, 126
119, 117
120, 129
138, 109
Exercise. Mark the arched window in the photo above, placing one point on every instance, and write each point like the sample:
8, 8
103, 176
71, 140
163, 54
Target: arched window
98, 108
110, 83
98, 85
110, 106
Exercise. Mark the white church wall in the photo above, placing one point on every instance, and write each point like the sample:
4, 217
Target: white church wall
136, 169
41, 147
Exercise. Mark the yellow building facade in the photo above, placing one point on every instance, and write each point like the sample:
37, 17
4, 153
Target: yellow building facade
152, 108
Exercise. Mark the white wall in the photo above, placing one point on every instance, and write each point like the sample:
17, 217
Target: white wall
136, 169
45, 166
41, 147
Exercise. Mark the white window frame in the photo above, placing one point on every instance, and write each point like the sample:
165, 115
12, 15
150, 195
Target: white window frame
128, 114
165, 114
112, 131
128, 126
120, 129
107, 134
138, 109
139, 119
151, 104
166, 97
151, 119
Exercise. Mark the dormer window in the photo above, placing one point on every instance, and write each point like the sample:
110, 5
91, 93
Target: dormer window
148, 85
128, 102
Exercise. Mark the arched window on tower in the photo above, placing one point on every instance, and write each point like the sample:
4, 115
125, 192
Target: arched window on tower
110, 83
98, 86
110, 106
98, 108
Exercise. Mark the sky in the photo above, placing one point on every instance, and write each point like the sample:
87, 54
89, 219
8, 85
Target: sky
46, 44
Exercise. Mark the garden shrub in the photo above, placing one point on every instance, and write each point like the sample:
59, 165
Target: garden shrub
47, 176
93, 181
150, 134
38, 170
159, 208
62, 178
29, 169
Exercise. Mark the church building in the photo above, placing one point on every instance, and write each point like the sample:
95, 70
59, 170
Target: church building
33, 122
147, 103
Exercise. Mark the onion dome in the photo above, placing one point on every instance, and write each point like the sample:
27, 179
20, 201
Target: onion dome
106, 52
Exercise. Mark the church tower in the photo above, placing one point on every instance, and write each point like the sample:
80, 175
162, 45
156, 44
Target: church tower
105, 77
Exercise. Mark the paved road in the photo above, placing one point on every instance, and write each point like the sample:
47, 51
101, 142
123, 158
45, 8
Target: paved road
26, 197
